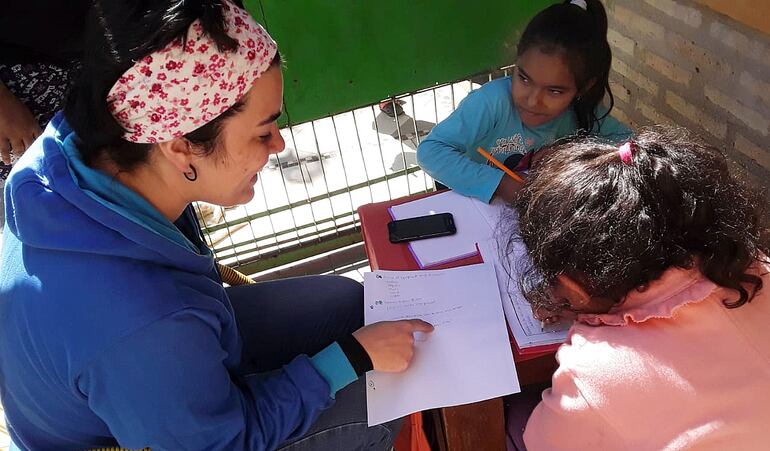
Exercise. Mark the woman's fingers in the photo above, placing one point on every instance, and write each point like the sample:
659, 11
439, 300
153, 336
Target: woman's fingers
5, 150
390, 344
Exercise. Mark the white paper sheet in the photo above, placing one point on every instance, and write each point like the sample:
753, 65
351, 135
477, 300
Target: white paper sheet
467, 358
475, 222
525, 328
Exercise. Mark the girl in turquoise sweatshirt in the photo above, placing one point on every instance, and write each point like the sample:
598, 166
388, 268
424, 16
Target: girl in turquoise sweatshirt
560, 79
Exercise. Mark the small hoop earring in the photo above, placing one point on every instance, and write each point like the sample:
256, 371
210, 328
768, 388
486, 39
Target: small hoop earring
194, 175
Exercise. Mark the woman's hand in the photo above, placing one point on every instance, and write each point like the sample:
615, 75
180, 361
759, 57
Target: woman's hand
18, 128
390, 344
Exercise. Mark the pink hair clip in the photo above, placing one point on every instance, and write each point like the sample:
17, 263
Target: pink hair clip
626, 152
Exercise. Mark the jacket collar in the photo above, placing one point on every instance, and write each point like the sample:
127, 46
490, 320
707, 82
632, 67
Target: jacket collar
675, 288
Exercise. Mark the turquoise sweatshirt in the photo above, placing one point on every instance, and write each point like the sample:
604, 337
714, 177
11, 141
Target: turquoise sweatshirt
487, 118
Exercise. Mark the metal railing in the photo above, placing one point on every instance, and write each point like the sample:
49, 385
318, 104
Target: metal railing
306, 198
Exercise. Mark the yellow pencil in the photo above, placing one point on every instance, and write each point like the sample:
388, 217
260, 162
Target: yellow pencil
494, 161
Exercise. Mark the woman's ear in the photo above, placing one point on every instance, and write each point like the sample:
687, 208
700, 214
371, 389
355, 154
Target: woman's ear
178, 152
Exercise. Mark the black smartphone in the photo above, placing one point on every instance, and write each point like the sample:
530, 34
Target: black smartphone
421, 227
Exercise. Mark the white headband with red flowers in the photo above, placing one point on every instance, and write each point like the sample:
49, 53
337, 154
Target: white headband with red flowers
188, 83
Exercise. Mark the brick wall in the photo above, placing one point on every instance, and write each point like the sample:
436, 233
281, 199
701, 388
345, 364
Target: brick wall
677, 61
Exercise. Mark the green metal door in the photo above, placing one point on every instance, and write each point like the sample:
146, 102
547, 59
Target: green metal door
341, 54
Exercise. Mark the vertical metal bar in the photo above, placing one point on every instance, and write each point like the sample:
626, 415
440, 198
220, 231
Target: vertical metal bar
417, 136
435, 104
323, 174
401, 142
363, 160
251, 228
344, 170
435, 112
382, 158
288, 198
232, 241
302, 175
204, 227
269, 217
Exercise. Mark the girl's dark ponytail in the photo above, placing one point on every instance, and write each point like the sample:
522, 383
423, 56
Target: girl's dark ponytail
599, 56
598, 14
581, 36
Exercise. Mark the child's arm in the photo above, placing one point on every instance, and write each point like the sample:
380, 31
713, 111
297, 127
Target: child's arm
576, 411
566, 418
443, 154
508, 189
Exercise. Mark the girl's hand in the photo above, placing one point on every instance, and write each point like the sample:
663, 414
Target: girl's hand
508, 189
390, 344
18, 128
547, 317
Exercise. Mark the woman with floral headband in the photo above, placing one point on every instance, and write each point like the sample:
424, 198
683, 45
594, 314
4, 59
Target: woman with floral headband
115, 326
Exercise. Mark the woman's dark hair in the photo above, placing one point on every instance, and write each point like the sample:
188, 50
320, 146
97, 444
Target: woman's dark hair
118, 33
580, 36
616, 227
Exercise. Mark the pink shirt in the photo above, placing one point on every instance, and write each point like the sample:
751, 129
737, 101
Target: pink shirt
670, 368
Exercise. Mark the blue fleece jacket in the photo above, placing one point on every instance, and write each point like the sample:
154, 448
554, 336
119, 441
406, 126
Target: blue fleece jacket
114, 330
487, 118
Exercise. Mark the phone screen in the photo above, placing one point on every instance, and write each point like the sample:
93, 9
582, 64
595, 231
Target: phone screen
421, 227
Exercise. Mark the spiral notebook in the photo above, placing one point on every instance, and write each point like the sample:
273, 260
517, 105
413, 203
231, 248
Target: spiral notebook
529, 334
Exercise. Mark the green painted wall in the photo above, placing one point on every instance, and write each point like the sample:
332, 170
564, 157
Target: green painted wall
342, 54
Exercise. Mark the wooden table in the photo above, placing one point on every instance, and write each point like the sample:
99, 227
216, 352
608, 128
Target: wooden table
477, 426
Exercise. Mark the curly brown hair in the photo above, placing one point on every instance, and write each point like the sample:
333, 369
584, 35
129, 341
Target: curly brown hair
616, 226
